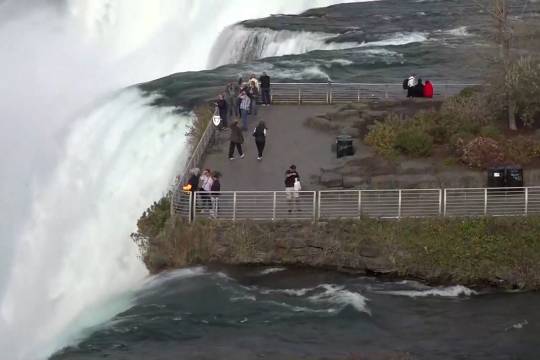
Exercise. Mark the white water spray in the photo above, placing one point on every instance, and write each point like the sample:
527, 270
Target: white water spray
75, 180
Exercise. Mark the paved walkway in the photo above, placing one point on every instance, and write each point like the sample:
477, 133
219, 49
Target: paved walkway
288, 142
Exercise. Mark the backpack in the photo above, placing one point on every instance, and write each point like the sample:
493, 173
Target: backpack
405, 84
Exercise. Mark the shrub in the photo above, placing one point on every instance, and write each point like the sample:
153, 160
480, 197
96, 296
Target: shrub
382, 135
521, 149
199, 122
466, 113
414, 142
482, 152
458, 142
490, 131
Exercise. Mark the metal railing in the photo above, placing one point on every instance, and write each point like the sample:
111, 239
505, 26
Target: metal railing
255, 205
178, 198
355, 204
332, 93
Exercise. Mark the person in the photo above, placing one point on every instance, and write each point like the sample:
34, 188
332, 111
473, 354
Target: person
237, 139
222, 109
230, 98
193, 181
411, 83
253, 93
428, 89
237, 90
205, 183
260, 138
292, 186
214, 195
419, 89
265, 89
245, 103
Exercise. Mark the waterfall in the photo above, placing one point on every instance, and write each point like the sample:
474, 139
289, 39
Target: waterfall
238, 44
82, 159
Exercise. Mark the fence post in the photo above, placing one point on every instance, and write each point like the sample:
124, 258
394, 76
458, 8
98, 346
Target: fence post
234, 207
193, 208
399, 204
274, 208
444, 203
526, 201
359, 204
330, 93
386, 91
358, 95
319, 205
485, 201
314, 206
190, 204
299, 95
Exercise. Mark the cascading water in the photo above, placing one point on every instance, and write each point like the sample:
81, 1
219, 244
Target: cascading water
238, 44
80, 165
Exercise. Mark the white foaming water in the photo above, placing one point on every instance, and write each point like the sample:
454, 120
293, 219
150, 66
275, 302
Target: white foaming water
238, 44
451, 291
333, 294
272, 270
107, 177
399, 39
75, 180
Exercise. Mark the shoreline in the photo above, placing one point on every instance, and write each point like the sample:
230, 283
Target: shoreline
477, 253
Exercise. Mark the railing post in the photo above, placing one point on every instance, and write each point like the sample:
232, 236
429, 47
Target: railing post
234, 207
299, 95
485, 201
359, 204
274, 208
526, 201
328, 93
193, 209
331, 93
319, 206
444, 203
386, 91
358, 95
399, 204
315, 206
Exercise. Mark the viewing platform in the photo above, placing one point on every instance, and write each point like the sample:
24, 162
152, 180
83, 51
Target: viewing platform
254, 189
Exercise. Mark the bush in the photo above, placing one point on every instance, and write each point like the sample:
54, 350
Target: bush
490, 131
414, 142
382, 135
459, 141
521, 149
483, 153
466, 113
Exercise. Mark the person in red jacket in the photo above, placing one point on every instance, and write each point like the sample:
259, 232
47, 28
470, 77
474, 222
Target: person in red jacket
428, 89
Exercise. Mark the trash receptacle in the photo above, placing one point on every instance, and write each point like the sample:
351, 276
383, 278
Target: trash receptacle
514, 177
496, 177
344, 146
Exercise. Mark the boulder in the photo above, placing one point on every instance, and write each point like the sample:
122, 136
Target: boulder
331, 180
418, 181
415, 167
351, 181
384, 182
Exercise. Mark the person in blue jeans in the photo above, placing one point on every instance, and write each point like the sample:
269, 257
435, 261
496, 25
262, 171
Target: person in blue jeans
245, 104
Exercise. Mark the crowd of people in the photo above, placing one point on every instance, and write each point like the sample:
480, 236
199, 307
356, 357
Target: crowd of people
234, 109
417, 88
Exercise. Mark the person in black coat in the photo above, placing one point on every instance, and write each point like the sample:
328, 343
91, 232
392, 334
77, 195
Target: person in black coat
264, 81
222, 106
260, 138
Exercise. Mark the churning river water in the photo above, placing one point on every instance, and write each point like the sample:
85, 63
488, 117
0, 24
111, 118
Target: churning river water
279, 313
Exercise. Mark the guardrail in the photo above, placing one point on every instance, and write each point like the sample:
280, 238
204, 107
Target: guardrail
355, 204
332, 93
177, 200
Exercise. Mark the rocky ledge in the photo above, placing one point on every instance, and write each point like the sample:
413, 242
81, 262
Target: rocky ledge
490, 252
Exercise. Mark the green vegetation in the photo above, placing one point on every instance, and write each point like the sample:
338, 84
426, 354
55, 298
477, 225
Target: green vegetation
467, 127
203, 116
501, 252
